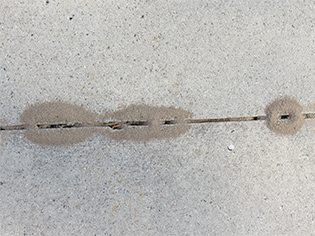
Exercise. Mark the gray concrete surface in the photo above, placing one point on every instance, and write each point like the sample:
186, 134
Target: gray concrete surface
213, 58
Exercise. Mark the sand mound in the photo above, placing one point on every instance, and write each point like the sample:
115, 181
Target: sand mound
153, 115
64, 113
284, 116
54, 113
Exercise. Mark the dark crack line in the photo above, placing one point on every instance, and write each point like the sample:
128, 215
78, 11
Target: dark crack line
120, 125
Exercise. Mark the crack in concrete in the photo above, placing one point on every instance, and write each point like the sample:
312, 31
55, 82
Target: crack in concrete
59, 123
119, 124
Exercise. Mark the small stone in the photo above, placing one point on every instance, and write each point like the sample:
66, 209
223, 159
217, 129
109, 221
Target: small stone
230, 147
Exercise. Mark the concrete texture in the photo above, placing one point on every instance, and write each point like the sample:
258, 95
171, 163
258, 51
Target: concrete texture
214, 59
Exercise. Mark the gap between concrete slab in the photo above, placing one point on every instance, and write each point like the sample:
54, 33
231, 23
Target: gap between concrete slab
118, 124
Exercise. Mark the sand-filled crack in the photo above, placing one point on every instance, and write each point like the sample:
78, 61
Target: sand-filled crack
61, 123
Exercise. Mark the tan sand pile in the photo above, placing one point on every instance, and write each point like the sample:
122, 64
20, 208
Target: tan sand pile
60, 112
284, 116
153, 115
54, 113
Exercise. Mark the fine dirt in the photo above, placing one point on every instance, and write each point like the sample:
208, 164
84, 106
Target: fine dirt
284, 106
153, 115
53, 113
60, 112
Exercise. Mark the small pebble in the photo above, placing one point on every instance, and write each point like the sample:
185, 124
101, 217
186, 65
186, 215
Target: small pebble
230, 147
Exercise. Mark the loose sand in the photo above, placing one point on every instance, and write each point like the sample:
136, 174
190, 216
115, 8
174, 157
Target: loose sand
53, 113
153, 115
284, 106
60, 112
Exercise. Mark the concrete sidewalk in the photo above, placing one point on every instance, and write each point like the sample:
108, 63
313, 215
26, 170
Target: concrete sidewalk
94, 60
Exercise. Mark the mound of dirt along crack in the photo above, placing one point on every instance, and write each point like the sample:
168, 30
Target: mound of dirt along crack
284, 116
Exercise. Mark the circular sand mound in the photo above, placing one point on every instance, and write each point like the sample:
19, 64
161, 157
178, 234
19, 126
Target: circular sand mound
284, 116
